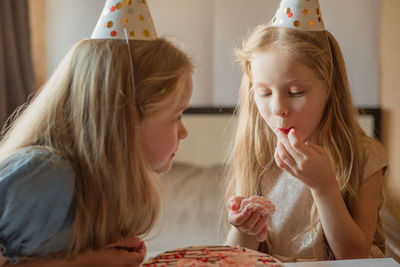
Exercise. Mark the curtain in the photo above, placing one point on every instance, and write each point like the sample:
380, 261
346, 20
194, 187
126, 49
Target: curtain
16, 67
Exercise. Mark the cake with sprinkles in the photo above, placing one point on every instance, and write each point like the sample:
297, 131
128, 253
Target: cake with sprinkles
210, 256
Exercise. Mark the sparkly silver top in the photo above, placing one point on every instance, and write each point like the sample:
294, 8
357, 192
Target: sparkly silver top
289, 225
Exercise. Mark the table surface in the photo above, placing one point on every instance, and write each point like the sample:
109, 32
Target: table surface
383, 262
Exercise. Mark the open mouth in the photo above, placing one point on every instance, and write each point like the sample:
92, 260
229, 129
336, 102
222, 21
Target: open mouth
285, 130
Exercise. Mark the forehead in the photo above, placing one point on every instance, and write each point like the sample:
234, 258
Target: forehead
183, 92
186, 91
171, 104
280, 65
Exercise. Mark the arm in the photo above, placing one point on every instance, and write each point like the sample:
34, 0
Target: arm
43, 262
37, 262
129, 252
348, 237
237, 238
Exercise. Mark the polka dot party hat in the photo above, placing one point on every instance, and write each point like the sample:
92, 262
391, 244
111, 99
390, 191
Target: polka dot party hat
118, 15
304, 15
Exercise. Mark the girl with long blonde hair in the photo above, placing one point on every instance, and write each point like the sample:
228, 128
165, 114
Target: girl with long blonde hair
305, 179
79, 164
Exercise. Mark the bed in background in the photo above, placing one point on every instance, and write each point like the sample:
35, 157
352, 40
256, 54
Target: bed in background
193, 189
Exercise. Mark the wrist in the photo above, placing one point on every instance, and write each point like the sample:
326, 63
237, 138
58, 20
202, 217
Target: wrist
329, 187
238, 238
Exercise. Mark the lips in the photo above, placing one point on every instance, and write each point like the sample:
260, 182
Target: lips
285, 130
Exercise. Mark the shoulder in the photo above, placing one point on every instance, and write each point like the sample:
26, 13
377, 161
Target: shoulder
36, 192
375, 158
35, 169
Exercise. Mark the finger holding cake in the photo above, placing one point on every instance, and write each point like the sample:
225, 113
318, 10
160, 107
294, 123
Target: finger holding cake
250, 215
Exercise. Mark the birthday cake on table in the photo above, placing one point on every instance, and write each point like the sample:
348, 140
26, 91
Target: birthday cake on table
210, 256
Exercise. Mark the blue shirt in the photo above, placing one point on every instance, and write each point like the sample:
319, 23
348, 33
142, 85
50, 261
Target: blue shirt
37, 205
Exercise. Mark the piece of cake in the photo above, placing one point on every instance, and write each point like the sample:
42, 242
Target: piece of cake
210, 256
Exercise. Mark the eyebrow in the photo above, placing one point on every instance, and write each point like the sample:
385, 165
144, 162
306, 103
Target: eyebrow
295, 82
260, 84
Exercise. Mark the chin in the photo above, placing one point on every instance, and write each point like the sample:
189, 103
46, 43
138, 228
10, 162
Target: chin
163, 169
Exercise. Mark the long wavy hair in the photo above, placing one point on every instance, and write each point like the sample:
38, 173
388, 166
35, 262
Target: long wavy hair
88, 113
252, 155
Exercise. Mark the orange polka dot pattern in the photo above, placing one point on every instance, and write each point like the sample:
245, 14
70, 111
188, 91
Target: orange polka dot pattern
132, 15
303, 15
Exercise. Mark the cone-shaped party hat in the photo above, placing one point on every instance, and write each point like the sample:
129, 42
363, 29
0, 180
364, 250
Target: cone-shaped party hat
304, 15
118, 15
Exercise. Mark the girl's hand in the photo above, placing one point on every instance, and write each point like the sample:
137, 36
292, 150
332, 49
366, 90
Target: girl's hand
127, 252
308, 162
249, 215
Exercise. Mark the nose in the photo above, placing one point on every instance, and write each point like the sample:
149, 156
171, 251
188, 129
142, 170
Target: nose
182, 131
280, 106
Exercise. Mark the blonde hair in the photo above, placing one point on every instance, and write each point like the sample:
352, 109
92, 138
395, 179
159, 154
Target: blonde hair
340, 133
88, 113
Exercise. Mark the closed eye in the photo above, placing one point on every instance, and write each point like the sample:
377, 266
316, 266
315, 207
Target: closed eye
296, 93
262, 92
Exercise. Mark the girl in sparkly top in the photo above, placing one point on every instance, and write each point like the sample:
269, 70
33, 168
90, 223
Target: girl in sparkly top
79, 164
299, 146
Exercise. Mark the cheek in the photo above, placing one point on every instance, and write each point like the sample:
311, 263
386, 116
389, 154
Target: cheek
311, 118
262, 106
168, 141
315, 110
264, 110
